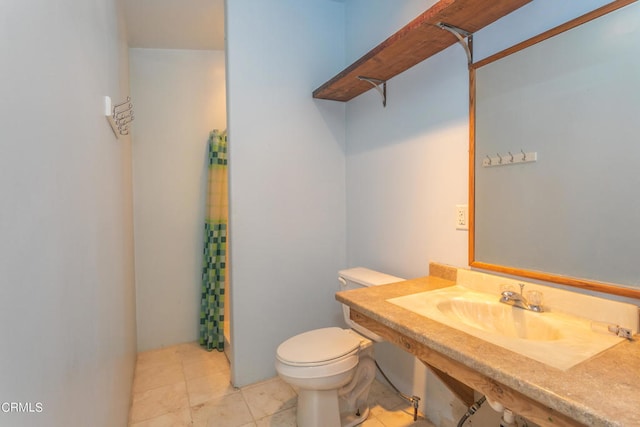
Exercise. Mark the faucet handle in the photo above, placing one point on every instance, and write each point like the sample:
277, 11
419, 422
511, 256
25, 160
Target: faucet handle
535, 297
506, 288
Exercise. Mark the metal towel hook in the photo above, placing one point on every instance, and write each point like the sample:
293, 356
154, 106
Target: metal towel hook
119, 115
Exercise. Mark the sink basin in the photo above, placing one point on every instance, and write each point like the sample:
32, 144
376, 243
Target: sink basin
501, 319
554, 338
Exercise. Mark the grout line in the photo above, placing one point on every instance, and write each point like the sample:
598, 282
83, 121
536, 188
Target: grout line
186, 388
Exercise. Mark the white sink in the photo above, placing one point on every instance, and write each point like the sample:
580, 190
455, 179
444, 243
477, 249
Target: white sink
554, 338
501, 319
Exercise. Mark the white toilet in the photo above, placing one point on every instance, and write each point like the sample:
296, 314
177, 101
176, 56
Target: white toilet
333, 368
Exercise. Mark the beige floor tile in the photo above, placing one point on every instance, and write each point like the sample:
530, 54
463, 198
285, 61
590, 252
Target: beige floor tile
188, 347
209, 364
381, 395
157, 357
185, 385
286, 418
154, 375
189, 352
401, 417
268, 397
372, 421
422, 423
206, 388
180, 418
158, 401
228, 411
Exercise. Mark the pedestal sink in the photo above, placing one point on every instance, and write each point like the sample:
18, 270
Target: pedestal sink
557, 339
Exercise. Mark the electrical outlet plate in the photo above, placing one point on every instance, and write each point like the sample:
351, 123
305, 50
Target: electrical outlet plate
462, 217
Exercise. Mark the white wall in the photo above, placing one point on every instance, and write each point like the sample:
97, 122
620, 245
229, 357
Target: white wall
179, 98
287, 171
67, 303
406, 171
407, 164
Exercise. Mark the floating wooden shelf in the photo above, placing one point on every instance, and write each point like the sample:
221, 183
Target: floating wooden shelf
414, 43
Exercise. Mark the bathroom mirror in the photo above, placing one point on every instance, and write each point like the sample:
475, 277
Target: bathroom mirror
571, 99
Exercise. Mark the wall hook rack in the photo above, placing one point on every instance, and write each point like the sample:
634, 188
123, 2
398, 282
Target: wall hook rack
119, 115
376, 84
509, 159
460, 35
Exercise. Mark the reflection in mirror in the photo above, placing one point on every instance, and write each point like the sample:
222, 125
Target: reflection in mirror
569, 217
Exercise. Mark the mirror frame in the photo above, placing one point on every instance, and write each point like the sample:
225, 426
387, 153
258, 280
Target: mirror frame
544, 276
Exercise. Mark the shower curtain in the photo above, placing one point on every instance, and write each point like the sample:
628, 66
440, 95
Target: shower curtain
214, 261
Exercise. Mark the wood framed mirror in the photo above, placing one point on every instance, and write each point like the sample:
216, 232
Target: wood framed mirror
571, 96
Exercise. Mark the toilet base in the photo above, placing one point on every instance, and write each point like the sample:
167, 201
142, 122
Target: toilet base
318, 408
321, 408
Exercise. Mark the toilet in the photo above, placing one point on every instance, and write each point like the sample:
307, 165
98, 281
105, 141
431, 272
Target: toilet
333, 368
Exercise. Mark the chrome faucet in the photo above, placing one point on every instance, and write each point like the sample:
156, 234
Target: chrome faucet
533, 303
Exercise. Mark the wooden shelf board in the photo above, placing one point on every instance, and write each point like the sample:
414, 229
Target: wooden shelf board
414, 43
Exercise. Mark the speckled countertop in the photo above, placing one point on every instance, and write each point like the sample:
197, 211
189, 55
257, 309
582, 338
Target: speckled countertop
602, 391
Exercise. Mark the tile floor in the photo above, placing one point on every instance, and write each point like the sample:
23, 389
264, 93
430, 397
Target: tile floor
185, 385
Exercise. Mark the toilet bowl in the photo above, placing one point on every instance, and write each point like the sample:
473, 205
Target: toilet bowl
332, 368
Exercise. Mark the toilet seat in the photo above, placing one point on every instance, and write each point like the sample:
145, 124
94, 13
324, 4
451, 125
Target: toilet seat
319, 347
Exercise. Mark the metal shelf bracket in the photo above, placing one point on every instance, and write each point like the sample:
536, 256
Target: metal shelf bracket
379, 85
461, 35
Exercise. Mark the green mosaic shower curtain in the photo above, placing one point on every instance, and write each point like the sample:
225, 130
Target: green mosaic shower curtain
214, 261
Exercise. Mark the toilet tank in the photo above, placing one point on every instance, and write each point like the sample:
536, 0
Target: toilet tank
360, 277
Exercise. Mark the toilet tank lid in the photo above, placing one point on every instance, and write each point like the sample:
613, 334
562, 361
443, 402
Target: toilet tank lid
367, 277
318, 345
